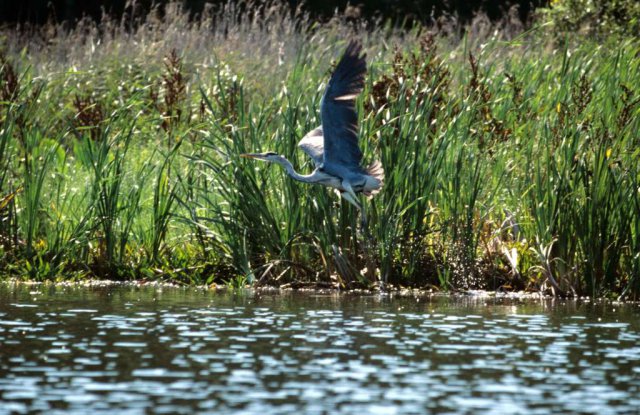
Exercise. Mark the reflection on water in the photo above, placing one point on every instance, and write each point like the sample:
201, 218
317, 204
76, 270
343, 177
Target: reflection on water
133, 350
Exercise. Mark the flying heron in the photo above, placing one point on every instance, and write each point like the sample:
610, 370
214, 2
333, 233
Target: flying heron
334, 145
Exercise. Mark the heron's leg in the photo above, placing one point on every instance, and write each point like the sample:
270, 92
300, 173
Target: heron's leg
352, 198
363, 217
349, 198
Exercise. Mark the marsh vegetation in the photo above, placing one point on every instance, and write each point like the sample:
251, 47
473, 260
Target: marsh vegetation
511, 160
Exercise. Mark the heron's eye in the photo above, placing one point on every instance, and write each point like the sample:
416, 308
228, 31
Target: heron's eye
271, 153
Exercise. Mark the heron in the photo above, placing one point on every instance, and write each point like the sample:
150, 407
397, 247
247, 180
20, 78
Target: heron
333, 146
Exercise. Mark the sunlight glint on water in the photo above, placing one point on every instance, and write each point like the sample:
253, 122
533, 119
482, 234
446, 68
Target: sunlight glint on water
132, 350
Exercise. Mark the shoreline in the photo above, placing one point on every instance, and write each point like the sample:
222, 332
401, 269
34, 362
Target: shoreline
391, 292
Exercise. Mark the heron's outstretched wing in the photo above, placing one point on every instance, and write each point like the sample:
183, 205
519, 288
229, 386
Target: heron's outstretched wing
338, 111
313, 145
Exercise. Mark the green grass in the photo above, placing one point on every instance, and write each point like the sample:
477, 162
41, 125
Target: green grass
510, 164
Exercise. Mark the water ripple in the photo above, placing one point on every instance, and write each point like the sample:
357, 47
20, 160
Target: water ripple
131, 350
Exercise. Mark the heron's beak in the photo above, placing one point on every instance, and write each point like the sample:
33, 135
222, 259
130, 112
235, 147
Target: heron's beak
256, 156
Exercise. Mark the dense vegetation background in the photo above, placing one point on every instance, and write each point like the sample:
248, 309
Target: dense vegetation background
40, 11
511, 154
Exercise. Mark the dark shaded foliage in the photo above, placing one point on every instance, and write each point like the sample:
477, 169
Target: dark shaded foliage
39, 11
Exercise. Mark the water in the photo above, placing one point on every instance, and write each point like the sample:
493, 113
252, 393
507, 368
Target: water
150, 350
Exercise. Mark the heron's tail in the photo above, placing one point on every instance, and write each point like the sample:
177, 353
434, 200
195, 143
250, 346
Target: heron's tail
375, 180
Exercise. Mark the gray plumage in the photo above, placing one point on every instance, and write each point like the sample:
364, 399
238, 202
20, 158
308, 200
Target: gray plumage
338, 111
313, 145
333, 146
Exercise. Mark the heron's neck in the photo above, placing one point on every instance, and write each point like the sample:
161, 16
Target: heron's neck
293, 174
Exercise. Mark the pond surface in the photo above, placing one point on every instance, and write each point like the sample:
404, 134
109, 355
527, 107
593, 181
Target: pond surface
131, 350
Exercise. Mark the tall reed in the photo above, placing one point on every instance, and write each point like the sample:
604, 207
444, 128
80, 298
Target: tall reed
509, 163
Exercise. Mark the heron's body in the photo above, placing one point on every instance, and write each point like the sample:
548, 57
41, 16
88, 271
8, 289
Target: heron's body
361, 182
334, 145
367, 181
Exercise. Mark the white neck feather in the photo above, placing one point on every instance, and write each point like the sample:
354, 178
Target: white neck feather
309, 178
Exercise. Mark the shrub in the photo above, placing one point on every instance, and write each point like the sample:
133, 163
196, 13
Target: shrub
593, 17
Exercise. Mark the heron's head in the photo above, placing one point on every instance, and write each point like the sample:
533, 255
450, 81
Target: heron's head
269, 156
